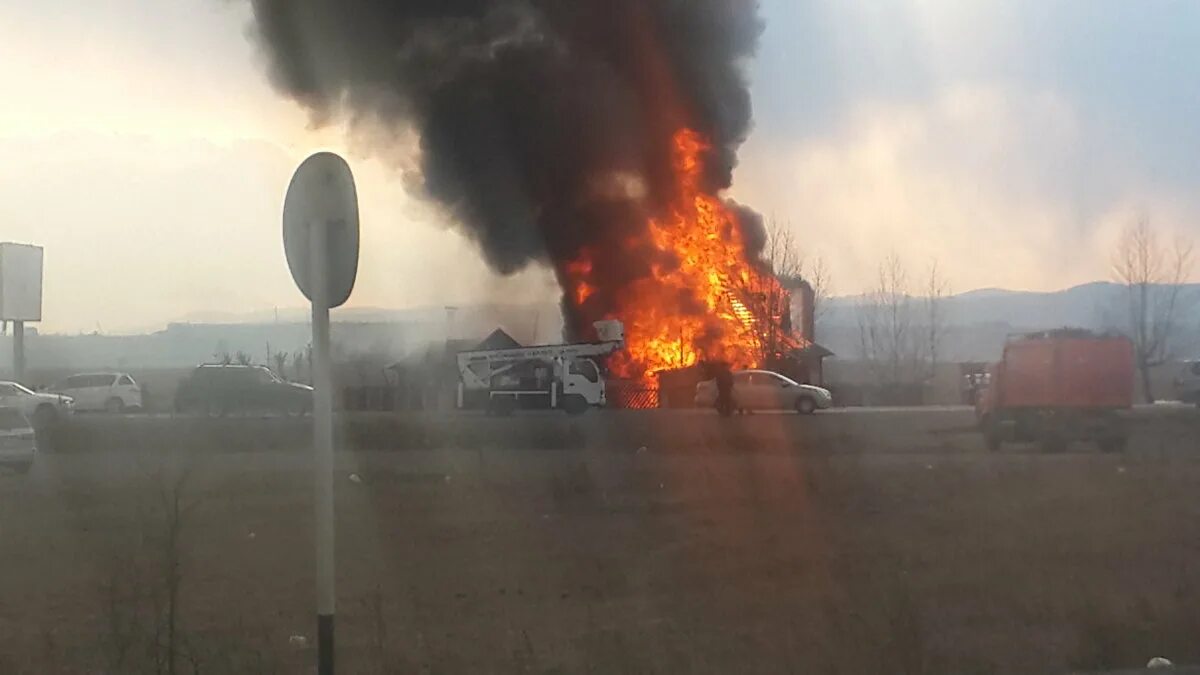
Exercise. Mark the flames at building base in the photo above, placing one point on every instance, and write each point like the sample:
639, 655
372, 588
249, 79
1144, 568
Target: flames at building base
704, 299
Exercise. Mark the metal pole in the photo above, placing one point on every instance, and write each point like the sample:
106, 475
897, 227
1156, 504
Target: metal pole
447, 356
19, 351
322, 447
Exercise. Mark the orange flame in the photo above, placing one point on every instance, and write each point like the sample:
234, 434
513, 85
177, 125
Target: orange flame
694, 305
580, 269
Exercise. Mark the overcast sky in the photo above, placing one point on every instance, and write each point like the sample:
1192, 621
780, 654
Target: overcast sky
143, 147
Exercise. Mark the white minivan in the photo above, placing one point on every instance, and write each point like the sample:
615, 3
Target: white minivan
110, 392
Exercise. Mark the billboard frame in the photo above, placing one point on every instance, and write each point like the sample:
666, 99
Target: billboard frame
21, 270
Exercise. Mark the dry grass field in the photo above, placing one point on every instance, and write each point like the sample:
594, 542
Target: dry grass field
853, 542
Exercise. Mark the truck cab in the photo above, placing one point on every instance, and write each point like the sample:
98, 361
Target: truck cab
1187, 383
583, 378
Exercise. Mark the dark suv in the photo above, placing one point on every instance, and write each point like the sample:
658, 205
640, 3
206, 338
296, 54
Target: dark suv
1187, 384
222, 389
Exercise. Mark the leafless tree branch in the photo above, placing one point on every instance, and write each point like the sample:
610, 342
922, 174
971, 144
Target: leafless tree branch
900, 336
1153, 275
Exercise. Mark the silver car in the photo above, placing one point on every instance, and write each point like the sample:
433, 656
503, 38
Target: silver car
18, 444
766, 390
41, 409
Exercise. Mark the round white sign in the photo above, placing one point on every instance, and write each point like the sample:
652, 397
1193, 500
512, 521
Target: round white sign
321, 209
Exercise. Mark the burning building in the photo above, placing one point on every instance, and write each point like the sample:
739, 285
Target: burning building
597, 137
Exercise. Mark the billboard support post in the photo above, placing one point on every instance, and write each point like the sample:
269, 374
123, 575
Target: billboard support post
19, 351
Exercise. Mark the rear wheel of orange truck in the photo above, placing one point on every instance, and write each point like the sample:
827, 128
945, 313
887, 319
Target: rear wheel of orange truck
991, 435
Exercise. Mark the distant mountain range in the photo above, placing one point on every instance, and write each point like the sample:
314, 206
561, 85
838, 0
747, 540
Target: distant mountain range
978, 321
1095, 305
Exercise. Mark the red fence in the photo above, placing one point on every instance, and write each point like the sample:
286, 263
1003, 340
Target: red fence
631, 395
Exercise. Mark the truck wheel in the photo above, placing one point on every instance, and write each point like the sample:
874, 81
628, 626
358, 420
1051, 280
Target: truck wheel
991, 438
574, 404
1112, 444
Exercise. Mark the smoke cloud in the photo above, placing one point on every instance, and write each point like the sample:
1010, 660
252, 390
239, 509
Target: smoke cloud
545, 126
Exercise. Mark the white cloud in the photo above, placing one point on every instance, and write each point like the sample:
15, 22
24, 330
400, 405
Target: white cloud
139, 231
1000, 184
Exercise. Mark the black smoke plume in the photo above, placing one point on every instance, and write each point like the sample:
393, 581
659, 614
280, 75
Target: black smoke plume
545, 125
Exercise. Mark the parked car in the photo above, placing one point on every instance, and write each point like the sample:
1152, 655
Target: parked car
41, 409
1187, 383
766, 390
110, 392
223, 389
18, 443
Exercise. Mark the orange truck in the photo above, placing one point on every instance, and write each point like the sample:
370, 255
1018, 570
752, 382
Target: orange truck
1058, 387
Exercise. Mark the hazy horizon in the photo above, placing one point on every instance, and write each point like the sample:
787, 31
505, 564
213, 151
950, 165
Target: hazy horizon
299, 313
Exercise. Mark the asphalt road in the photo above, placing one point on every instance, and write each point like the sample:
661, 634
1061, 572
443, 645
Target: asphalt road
1142, 408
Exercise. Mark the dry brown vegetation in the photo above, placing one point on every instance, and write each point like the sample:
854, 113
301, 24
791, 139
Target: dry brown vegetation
769, 544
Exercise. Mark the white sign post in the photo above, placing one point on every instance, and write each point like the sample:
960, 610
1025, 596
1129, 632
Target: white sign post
320, 238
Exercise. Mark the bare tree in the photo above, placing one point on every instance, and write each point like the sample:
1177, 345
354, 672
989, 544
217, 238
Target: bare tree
885, 325
298, 366
768, 299
818, 276
281, 361
1153, 275
791, 266
782, 250
936, 290
900, 334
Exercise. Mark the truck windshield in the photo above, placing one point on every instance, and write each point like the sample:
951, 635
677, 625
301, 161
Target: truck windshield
585, 368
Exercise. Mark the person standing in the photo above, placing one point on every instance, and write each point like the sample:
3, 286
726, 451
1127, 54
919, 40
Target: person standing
724, 381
